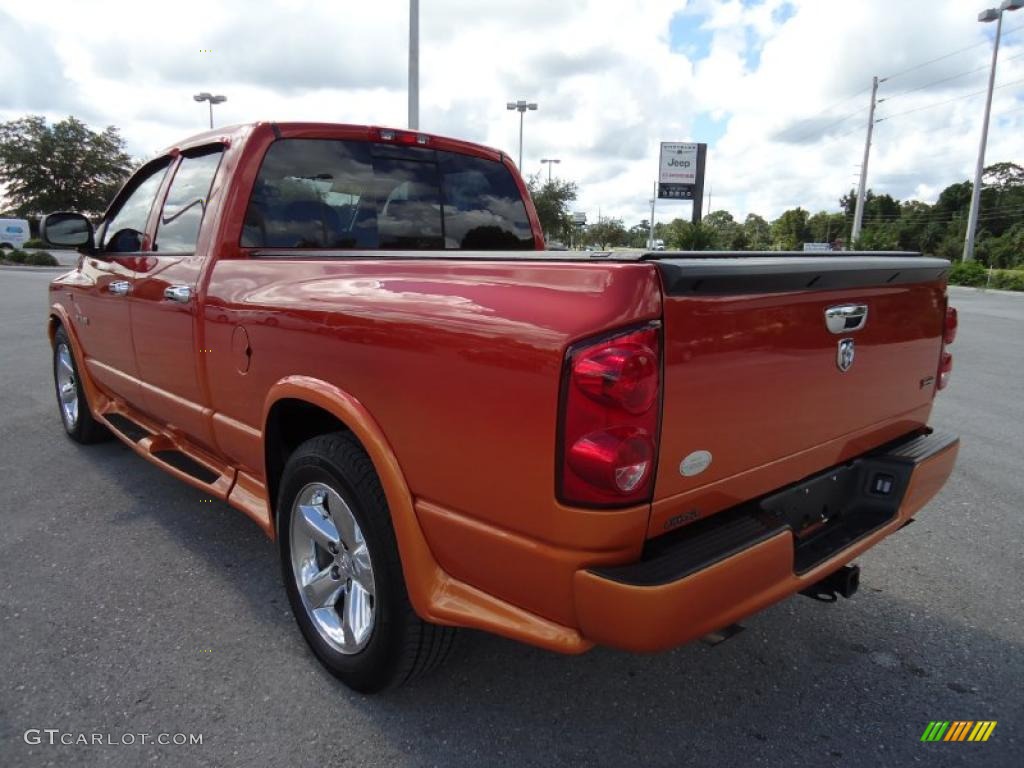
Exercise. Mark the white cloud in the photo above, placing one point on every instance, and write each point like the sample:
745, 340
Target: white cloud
609, 83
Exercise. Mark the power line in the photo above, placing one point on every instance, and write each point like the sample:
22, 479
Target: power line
924, 64
945, 80
947, 101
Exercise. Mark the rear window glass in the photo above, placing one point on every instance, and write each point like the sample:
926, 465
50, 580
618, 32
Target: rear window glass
314, 193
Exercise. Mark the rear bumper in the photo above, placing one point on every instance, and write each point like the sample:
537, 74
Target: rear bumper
718, 571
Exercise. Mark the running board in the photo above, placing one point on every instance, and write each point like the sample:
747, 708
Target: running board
172, 454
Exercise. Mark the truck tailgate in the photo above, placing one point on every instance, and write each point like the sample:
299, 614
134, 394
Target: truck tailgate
754, 375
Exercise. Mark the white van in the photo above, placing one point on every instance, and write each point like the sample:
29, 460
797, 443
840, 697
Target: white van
13, 233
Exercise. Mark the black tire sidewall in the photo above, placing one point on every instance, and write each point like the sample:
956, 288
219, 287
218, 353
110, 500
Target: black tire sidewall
378, 664
76, 432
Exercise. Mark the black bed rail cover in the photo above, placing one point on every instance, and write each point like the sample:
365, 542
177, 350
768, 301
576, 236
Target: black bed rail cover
692, 274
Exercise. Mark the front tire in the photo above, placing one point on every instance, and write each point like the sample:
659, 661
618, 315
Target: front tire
342, 571
74, 408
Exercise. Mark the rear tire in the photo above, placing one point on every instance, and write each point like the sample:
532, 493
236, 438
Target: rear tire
71, 402
342, 570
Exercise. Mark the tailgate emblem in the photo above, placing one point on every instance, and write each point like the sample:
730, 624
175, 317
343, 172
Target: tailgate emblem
844, 357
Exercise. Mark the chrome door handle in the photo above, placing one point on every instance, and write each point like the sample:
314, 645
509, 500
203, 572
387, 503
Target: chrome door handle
119, 287
178, 293
846, 318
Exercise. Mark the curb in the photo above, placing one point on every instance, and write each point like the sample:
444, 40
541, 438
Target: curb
997, 291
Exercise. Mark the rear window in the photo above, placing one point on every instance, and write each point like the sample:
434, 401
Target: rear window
314, 193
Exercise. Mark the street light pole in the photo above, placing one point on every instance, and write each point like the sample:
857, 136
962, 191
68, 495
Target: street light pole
549, 163
205, 96
996, 15
521, 106
414, 64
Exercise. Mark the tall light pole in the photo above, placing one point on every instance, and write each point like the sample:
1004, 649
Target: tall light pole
549, 162
204, 96
521, 106
996, 15
414, 64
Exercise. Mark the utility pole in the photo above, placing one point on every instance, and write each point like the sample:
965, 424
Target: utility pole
858, 215
414, 64
650, 235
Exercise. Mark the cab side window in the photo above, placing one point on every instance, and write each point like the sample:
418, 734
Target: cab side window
182, 214
124, 232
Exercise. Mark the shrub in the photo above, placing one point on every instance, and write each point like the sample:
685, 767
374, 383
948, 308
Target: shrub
1008, 279
34, 242
16, 256
40, 259
968, 273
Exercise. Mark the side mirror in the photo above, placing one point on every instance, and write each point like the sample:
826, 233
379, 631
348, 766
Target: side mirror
68, 229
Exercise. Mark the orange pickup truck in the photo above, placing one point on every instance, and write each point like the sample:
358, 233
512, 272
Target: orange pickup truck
354, 336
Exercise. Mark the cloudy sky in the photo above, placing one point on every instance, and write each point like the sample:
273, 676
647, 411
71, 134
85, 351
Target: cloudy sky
779, 89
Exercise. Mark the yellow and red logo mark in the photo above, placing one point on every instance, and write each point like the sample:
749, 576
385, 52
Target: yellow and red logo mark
958, 730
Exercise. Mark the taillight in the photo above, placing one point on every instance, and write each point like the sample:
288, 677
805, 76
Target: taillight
609, 419
945, 358
949, 330
945, 369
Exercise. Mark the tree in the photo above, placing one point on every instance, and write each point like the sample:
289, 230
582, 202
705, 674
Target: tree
637, 235
824, 227
726, 233
1003, 176
789, 231
552, 199
607, 233
682, 235
65, 166
757, 232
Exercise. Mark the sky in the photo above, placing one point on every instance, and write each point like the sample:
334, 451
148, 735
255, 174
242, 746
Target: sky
778, 89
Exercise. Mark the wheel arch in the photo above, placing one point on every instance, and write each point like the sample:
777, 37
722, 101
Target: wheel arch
339, 409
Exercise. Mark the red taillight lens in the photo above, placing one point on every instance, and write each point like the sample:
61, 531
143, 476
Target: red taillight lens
617, 460
949, 327
609, 419
949, 332
624, 376
945, 369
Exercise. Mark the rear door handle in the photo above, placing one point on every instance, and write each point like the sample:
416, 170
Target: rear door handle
119, 287
178, 293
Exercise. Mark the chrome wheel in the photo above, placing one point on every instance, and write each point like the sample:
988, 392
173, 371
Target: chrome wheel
67, 386
332, 568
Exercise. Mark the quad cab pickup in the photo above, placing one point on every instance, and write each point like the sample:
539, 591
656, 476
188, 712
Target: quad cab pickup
354, 336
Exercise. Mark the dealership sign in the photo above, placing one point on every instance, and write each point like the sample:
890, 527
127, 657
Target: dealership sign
681, 172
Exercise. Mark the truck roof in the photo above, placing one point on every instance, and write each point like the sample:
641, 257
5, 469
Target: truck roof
308, 130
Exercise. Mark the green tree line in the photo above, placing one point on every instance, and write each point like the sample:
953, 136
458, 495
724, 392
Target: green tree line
889, 224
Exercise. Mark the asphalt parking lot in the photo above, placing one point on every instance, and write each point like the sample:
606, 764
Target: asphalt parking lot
128, 604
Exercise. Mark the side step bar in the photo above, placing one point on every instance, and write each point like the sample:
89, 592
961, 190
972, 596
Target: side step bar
184, 462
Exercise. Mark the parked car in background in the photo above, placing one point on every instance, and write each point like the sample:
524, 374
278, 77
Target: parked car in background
14, 233
355, 336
